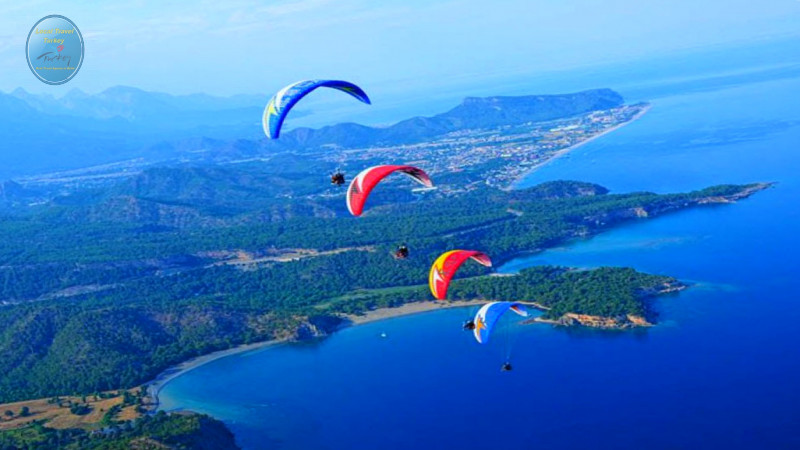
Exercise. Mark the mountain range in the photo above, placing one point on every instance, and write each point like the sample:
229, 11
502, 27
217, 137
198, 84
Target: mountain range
45, 134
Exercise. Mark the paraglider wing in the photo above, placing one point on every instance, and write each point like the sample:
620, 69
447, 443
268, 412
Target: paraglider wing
446, 265
489, 314
280, 104
365, 181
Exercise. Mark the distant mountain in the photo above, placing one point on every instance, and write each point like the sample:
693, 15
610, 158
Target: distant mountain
45, 134
473, 112
132, 103
476, 112
42, 133
15, 109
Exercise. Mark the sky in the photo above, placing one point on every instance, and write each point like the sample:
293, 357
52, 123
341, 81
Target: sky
247, 46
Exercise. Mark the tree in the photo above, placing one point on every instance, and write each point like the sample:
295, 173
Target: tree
24, 412
80, 410
9, 413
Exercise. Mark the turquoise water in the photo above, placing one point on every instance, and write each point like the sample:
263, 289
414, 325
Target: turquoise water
721, 370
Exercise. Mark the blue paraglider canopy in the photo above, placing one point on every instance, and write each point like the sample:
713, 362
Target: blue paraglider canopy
282, 102
489, 314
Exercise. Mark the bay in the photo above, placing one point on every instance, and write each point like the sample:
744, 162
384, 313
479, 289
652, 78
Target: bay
720, 370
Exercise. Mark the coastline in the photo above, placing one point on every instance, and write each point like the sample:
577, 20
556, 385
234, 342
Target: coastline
155, 386
564, 151
406, 309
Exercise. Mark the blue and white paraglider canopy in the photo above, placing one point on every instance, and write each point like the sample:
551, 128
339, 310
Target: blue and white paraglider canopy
282, 102
489, 314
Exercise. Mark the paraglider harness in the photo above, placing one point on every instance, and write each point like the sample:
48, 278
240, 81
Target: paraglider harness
506, 367
469, 324
337, 178
401, 252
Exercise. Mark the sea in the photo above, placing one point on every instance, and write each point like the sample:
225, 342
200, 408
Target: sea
720, 370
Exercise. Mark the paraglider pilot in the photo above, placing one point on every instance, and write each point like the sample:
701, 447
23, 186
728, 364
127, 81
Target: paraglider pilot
469, 324
506, 367
337, 178
401, 252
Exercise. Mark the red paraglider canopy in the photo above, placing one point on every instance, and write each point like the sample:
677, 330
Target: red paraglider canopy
444, 269
364, 182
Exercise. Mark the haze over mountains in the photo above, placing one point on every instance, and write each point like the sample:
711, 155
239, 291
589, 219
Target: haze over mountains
42, 133
45, 134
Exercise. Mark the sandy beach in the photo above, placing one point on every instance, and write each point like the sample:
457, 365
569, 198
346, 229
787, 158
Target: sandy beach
154, 387
566, 150
407, 309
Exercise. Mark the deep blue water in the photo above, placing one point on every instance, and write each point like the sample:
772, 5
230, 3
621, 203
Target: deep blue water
721, 370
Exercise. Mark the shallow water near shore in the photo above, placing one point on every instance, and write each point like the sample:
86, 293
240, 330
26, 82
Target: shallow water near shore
720, 370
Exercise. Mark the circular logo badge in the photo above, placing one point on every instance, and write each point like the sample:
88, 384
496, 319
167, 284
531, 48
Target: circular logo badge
54, 49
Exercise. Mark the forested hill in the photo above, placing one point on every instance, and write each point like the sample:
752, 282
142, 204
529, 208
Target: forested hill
98, 305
